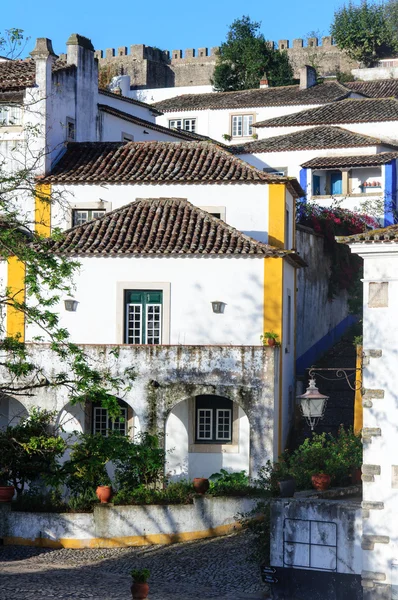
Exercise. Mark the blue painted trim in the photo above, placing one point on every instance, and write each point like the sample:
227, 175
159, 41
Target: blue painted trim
303, 183
390, 193
309, 357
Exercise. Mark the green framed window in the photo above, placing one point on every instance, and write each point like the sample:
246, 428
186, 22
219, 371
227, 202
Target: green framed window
143, 316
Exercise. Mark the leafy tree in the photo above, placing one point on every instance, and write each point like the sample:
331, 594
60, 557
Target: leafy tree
246, 56
364, 32
47, 279
30, 450
391, 10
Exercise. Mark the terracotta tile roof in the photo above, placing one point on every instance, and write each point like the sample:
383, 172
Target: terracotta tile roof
330, 162
162, 226
19, 74
158, 162
368, 110
382, 88
177, 133
384, 235
150, 107
307, 139
273, 96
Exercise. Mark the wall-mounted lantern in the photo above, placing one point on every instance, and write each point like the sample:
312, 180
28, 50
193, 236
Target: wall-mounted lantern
70, 304
312, 404
218, 306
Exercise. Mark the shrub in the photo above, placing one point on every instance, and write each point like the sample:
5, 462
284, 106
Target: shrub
83, 502
30, 450
34, 500
140, 464
180, 492
321, 453
225, 483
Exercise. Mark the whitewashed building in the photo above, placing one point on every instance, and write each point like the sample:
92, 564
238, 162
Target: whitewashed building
179, 226
379, 250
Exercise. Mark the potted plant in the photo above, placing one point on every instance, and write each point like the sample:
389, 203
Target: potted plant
6, 490
320, 481
287, 486
140, 587
104, 493
270, 338
201, 485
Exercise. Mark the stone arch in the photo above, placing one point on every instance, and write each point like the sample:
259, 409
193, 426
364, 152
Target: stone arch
11, 411
188, 457
254, 401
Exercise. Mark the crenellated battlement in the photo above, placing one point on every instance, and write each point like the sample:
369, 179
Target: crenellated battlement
311, 42
142, 52
151, 67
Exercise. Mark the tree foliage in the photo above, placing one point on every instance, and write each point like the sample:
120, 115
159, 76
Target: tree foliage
48, 279
30, 450
246, 56
364, 32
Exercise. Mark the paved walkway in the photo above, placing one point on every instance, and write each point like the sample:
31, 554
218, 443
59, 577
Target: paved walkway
217, 568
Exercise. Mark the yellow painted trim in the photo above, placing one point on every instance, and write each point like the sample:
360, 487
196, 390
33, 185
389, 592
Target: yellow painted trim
120, 542
16, 290
43, 209
358, 407
274, 281
276, 214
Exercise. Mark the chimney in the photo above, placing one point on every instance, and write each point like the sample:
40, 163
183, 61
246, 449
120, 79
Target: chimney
38, 105
80, 52
307, 77
264, 81
120, 84
43, 55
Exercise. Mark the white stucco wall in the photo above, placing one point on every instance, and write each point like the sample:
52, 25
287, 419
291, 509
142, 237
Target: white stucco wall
157, 94
380, 413
120, 526
334, 526
193, 282
118, 102
216, 123
246, 206
183, 463
112, 128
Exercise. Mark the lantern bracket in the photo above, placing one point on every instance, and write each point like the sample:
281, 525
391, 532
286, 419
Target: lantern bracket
340, 373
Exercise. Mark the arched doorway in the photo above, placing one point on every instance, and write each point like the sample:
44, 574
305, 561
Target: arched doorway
11, 411
204, 434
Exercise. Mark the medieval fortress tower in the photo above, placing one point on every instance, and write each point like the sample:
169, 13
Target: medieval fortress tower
151, 67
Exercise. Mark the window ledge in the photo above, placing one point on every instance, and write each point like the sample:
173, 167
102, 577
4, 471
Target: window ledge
214, 448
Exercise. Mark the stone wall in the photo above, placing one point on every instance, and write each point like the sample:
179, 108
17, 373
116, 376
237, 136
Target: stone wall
151, 67
319, 327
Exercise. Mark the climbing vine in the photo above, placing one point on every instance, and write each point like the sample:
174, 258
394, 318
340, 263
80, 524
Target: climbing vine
346, 267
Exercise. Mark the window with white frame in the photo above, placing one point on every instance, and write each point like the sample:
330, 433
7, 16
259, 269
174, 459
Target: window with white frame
185, 124
10, 115
103, 423
143, 316
242, 125
81, 215
213, 419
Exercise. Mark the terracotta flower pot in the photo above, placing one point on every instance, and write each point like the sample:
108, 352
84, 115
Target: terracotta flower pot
271, 342
6, 493
104, 493
201, 485
140, 591
320, 481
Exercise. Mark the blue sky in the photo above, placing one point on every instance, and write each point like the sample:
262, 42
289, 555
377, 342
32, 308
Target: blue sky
165, 24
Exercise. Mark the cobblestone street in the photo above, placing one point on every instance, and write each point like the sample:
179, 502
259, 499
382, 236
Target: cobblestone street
215, 568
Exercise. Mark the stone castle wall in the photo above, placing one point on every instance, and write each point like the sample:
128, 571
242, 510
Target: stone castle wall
151, 67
